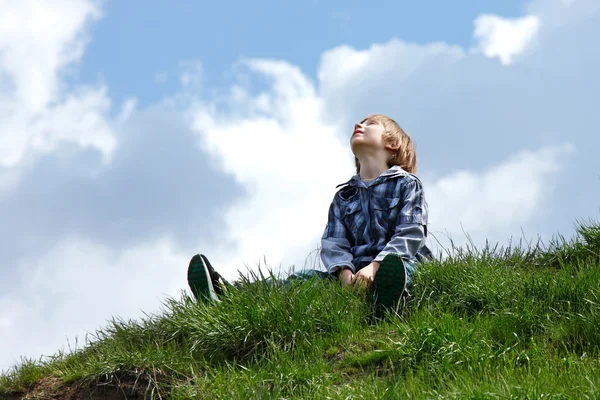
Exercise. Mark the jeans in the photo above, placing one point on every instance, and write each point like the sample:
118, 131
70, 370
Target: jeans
310, 273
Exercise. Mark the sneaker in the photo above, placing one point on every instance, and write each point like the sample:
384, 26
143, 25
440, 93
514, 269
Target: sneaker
200, 279
218, 282
389, 283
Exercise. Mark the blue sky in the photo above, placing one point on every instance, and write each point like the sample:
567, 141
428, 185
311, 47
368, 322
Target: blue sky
136, 134
136, 41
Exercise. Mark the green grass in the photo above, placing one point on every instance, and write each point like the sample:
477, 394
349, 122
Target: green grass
491, 323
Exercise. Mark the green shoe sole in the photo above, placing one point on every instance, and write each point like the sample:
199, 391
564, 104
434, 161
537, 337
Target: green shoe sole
199, 279
389, 283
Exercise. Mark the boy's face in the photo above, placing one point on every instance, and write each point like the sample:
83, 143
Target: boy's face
367, 135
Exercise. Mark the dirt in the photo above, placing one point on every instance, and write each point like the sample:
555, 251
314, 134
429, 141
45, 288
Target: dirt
124, 387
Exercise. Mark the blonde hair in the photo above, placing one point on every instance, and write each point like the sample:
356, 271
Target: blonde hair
404, 153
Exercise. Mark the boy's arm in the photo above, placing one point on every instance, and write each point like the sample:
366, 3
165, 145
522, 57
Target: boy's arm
335, 247
410, 231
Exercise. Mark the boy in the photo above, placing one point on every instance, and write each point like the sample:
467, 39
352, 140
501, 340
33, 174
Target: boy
377, 223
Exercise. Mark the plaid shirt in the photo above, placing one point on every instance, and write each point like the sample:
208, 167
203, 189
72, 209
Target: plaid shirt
367, 222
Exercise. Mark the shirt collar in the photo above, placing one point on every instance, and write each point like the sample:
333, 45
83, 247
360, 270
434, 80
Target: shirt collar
393, 172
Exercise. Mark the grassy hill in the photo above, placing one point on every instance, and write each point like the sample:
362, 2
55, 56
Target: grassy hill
482, 324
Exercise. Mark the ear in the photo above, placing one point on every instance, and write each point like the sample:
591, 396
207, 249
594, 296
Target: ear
391, 147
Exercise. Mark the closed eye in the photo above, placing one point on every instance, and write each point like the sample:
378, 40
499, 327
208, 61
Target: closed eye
368, 122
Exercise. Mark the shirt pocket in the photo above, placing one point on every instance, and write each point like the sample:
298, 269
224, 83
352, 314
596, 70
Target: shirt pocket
386, 211
386, 203
353, 217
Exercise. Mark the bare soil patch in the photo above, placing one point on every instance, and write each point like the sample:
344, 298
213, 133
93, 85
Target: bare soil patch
125, 386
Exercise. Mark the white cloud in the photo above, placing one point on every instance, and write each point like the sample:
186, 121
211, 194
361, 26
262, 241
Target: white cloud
9, 178
79, 285
496, 202
39, 40
396, 59
127, 110
81, 118
503, 37
558, 15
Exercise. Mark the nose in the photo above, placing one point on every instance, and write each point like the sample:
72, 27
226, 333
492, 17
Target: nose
358, 125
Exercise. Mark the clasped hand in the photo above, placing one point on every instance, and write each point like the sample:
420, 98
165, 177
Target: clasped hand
363, 277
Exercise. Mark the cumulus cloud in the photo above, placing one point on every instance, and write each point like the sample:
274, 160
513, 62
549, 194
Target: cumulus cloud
349, 77
91, 226
38, 41
39, 38
496, 202
66, 293
505, 38
83, 240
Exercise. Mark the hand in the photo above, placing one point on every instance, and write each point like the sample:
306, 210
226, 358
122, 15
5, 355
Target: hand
366, 275
347, 277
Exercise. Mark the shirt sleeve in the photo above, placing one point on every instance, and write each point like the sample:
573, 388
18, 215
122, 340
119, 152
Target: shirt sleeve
411, 224
335, 246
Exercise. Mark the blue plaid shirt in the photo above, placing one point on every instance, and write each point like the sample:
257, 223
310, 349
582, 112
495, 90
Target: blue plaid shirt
368, 221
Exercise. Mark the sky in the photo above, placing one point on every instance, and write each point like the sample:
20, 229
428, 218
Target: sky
134, 135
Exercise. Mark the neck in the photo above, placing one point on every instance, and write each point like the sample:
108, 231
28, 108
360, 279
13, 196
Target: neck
372, 166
